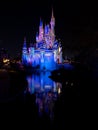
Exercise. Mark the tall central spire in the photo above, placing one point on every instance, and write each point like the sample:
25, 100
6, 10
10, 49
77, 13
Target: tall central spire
52, 22
52, 13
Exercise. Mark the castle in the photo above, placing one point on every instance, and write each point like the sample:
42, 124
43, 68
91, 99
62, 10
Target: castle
46, 53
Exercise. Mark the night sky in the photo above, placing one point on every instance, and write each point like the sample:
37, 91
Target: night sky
76, 22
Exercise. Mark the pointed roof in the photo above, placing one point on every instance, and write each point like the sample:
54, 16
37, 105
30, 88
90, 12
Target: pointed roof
41, 22
52, 13
52, 16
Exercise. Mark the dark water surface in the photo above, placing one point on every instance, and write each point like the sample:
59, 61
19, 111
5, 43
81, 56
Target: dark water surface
36, 101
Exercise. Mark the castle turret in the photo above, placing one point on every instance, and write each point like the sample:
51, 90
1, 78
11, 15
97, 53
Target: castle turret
41, 31
37, 37
24, 46
52, 23
24, 51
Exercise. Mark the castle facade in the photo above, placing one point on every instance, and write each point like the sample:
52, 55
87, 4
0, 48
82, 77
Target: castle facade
46, 53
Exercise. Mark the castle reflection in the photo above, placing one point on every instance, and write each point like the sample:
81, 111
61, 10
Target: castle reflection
45, 90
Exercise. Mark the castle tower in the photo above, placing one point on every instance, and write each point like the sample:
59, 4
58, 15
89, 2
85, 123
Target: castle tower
24, 50
37, 37
47, 35
24, 46
52, 24
41, 31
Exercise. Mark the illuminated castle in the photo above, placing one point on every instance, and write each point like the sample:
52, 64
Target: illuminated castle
46, 53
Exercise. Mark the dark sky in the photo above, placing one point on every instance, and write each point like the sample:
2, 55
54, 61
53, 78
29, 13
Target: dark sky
76, 21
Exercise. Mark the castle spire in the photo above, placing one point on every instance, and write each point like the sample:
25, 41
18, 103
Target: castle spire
52, 19
41, 30
52, 13
41, 23
24, 50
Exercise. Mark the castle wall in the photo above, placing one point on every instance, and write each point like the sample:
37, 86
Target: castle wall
45, 60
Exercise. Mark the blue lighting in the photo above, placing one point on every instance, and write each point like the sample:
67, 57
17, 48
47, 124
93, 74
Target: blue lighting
41, 83
45, 90
46, 54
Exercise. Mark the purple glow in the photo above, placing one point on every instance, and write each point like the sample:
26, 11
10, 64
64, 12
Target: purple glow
46, 44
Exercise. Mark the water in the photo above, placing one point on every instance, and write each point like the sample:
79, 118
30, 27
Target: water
44, 103
55, 102
46, 92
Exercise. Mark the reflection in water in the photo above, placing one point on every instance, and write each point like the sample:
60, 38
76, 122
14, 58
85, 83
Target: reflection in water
46, 92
